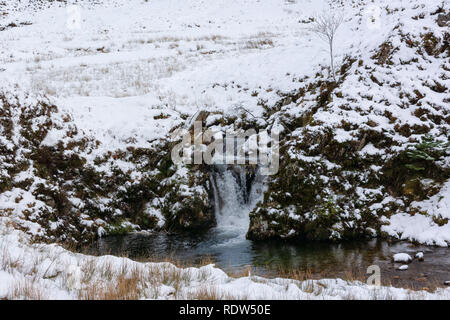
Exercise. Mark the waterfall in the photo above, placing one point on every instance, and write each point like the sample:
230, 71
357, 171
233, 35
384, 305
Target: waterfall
236, 192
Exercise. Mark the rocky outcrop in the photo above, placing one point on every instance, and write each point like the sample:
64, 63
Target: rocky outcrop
443, 20
350, 157
55, 177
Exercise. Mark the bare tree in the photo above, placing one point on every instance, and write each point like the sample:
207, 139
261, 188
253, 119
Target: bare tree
325, 26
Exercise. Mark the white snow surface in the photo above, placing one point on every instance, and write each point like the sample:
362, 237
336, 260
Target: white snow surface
402, 257
421, 227
130, 62
41, 271
133, 61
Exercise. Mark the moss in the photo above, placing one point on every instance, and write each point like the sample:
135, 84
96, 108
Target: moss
430, 43
411, 189
119, 228
440, 221
113, 195
299, 196
161, 116
384, 54
148, 222
326, 215
191, 210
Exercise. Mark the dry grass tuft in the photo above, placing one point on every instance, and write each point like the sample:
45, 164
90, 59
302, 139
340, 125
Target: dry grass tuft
211, 293
26, 290
122, 288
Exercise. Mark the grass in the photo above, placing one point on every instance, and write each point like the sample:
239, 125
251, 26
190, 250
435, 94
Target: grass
212, 293
37, 272
114, 278
350, 276
123, 288
259, 44
26, 290
104, 280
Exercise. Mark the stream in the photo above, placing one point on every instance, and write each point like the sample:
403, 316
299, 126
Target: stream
228, 248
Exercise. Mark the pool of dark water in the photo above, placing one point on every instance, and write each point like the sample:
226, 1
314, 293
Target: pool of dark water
232, 252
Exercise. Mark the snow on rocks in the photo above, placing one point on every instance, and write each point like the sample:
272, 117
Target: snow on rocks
135, 82
403, 267
402, 257
419, 256
424, 228
371, 102
55, 273
152, 74
127, 85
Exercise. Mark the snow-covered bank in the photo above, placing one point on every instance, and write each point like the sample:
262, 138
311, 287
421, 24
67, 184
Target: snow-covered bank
421, 228
93, 157
40, 271
353, 160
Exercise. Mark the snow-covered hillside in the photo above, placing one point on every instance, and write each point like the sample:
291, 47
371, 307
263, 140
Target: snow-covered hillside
181, 56
126, 74
90, 93
362, 153
130, 73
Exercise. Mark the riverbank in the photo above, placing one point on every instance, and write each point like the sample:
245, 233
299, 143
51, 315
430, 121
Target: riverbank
41, 271
348, 260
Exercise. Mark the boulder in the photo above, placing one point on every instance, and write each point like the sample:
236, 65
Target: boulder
419, 256
403, 267
443, 20
402, 257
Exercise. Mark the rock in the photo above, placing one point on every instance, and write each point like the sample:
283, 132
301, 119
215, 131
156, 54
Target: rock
403, 267
402, 257
447, 283
443, 20
419, 256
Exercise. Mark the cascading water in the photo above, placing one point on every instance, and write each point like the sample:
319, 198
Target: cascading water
236, 193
